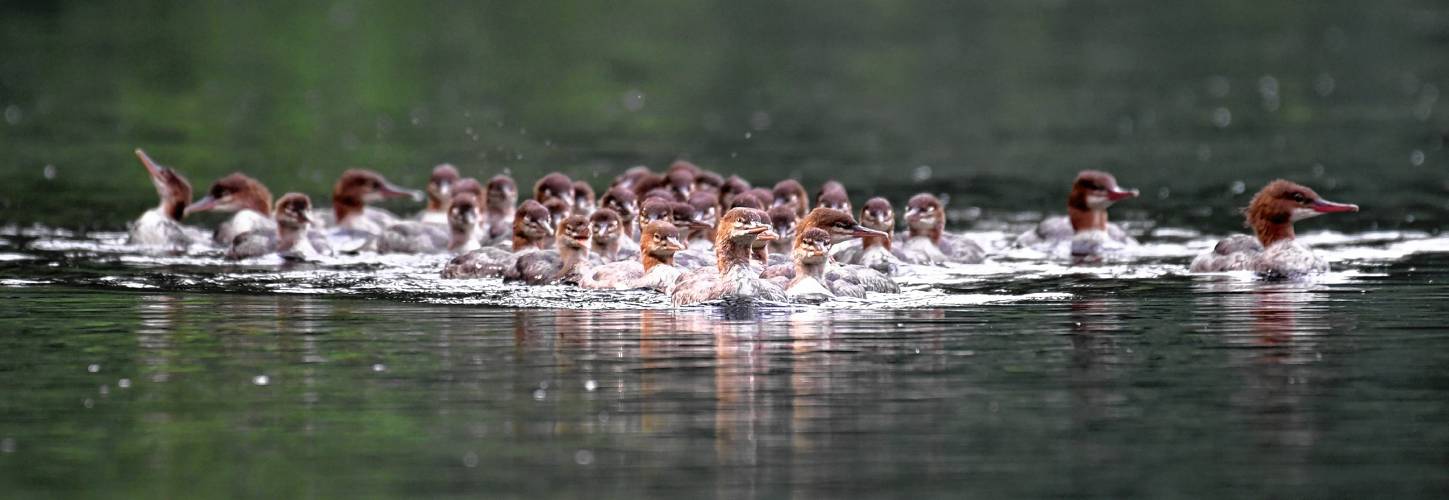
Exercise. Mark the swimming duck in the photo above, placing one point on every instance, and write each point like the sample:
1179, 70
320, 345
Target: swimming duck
927, 241
531, 232
291, 238
1085, 226
621, 201
609, 242
463, 216
1273, 251
554, 186
732, 278
583, 198
160, 228
873, 251
498, 205
783, 220
841, 227
790, 193
440, 190
810, 284
248, 198
565, 263
356, 226
833, 195
653, 270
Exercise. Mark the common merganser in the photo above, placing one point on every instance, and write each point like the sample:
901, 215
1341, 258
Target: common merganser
732, 278
841, 227
160, 228
811, 254
583, 198
558, 209
498, 206
609, 242
747, 200
621, 201
790, 193
566, 263
531, 232
705, 205
291, 238
833, 196
828, 186
654, 269
873, 251
710, 182
631, 177
440, 190
732, 188
764, 197
238, 193
463, 216
554, 186
1274, 252
680, 181
1085, 226
783, 220
927, 241
358, 227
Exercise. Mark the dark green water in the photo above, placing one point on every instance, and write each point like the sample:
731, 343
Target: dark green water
124, 376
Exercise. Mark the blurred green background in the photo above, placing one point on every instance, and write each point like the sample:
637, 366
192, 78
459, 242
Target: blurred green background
996, 104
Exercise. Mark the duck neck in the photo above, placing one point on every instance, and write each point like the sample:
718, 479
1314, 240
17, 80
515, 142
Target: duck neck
729, 255
436, 204
460, 238
933, 232
1083, 217
1273, 230
173, 208
569, 259
346, 206
607, 247
811, 268
652, 259
869, 242
288, 235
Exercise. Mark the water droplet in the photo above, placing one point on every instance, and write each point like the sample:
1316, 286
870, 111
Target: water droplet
124, 383
261, 380
1323, 85
633, 100
1163, 193
105, 390
590, 385
760, 120
470, 460
93, 368
540, 395
1222, 117
1238, 187
748, 135
1319, 170
12, 114
584, 457
49, 172
7, 445
379, 367
1416, 158
921, 173
88, 403
1204, 153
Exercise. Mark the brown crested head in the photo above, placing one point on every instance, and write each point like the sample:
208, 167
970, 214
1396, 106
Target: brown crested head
366, 186
531, 223
293, 211
1096, 190
746, 200
680, 182
829, 186
233, 193
812, 245
463, 210
743, 224
606, 224
925, 215
840, 225
573, 232
707, 180
733, 186
583, 197
630, 177
661, 239
171, 187
554, 185
620, 200
501, 192
1278, 205
790, 192
558, 209
784, 221
835, 199
440, 185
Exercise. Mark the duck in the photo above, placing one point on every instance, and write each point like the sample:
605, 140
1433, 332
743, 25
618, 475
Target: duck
248, 198
291, 239
160, 228
631, 177
790, 193
356, 226
927, 241
731, 278
1085, 229
654, 270
810, 284
558, 209
439, 191
841, 227
873, 251
705, 208
532, 228
733, 186
583, 198
783, 220
1273, 251
609, 242
498, 203
463, 217
554, 186
622, 201
833, 195
566, 263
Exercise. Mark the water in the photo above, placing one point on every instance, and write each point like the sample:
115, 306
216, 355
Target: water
127, 375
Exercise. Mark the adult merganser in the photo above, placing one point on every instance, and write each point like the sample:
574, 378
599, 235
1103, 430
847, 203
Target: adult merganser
927, 241
609, 242
841, 227
358, 227
783, 220
621, 201
160, 228
583, 198
290, 239
811, 254
873, 251
531, 232
498, 207
554, 186
732, 278
440, 190
1085, 226
1274, 252
238, 193
654, 269
566, 263
790, 193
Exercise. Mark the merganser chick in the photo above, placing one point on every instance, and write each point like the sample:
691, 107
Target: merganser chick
841, 227
733, 278
733, 187
710, 182
583, 198
1274, 252
686, 165
160, 228
790, 193
873, 251
621, 201
783, 220
558, 209
836, 199
238, 193
746, 200
554, 186
765, 197
1085, 226
811, 254
828, 186
357, 226
609, 242
290, 239
705, 205
680, 181
654, 269
440, 191
498, 206
565, 264
927, 241
630, 177
463, 217
531, 233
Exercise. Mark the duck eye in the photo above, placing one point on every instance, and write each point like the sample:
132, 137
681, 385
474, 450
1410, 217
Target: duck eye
1298, 197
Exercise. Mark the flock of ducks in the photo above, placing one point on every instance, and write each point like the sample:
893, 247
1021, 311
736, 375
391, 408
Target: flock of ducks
687, 232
